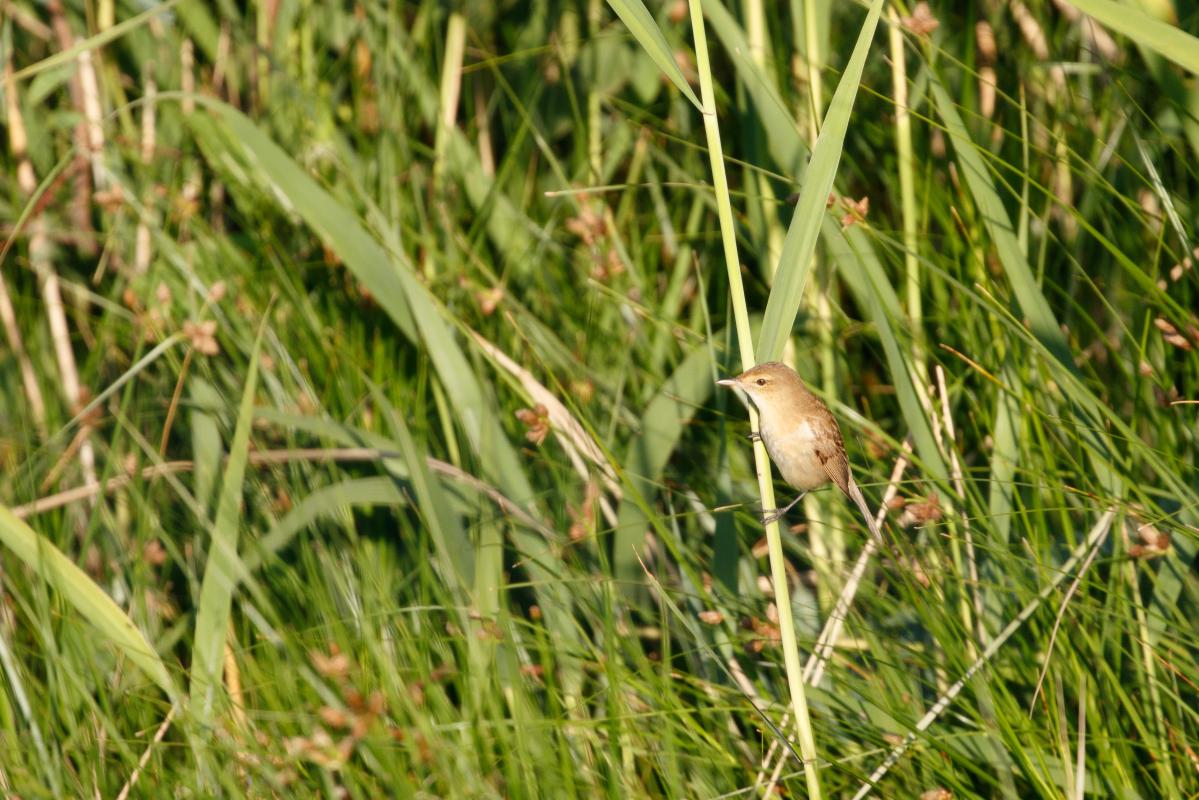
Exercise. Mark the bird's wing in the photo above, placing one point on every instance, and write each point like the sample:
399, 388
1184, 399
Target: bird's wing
830, 451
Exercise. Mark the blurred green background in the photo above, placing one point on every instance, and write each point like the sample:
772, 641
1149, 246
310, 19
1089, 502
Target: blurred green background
358, 427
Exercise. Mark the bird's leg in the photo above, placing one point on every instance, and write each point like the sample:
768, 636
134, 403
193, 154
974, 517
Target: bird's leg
777, 514
754, 436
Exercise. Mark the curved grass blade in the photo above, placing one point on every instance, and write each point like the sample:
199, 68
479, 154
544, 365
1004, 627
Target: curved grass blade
796, 260
327, 501
1175, 44
994, 215
783, 138
223, 567
390, 280
336, 225
863, 273
93, 42
662, 423
88, 599
413, 308
639, 22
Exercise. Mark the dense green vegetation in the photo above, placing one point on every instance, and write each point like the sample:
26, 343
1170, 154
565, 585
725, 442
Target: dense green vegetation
359, 427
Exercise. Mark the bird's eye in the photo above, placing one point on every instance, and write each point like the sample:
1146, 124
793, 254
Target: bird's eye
761, 381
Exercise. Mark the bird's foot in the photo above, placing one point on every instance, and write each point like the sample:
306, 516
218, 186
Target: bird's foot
774, 515
754, 436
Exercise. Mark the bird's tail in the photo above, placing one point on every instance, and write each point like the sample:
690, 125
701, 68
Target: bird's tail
856, 494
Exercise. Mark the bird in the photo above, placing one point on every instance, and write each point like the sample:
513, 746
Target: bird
800, 434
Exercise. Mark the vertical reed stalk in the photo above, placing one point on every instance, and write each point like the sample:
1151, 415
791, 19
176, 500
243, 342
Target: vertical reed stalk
778, 568
907, 194
595, 141
825, 540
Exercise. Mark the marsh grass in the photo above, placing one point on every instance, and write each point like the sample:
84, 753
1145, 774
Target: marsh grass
447, 505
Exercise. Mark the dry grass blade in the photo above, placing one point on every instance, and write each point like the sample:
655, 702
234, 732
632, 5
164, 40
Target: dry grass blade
1057, 623
1097, 533
276, 457
814, 669
575, 439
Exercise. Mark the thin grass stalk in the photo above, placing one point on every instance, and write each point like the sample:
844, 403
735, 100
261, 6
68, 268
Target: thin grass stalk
595, 139
145, 757
759, 43
959, 485
778, 564
17, 687
1148, 675
947, 446
907, 192
25, 177
1094, 538
451, 85
826, 539
814, 60
143, 250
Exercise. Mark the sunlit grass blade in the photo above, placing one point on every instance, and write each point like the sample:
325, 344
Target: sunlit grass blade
1172, 42
96, 607
860, 267
999, 226
639, 22
222, 568
662, 423
787, 292
335, 224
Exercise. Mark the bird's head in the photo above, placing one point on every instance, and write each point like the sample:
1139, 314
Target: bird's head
767, 385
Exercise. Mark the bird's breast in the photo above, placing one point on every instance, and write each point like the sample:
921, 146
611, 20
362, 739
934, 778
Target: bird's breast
792, 448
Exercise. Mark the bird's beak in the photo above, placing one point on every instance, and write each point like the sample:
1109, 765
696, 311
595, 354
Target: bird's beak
727, 382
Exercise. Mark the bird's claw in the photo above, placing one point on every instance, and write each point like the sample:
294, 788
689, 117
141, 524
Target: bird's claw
774, 515
754, 436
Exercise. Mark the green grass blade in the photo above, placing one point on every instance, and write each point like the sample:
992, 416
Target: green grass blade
792, 274
783, 138
1175, 44
994, 215
1004, 458
864, 275
206, 439
639, 22
442, 522
88, 599
222, 568
335, 224
327, 501
416, 311
662, 424
93, 42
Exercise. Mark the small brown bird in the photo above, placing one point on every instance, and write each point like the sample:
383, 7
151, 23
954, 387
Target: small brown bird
800, 433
